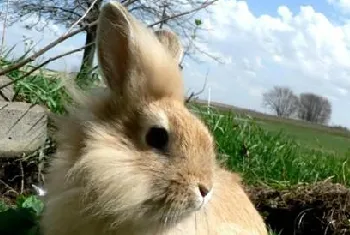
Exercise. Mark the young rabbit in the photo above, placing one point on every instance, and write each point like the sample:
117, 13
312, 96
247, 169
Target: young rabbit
133, 160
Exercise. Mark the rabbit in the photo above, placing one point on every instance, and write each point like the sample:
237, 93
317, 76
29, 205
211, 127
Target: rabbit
132, 159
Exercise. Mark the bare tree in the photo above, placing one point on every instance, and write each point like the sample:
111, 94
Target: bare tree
314, 108
281, 100
179, 15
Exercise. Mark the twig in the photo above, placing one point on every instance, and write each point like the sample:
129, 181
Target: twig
43, 64
41, 164
194, 94
4, 27
22, 176
83, 16
43, 50
204, 5
81, 5
127, 3
9, 187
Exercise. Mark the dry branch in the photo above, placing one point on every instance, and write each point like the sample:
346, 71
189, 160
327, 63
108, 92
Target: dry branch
195, 94
43, 50
202, 6
4, 28
83, 16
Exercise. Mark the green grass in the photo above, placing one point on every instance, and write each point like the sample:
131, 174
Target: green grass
39, 89
315, 136
311, 137
270, 157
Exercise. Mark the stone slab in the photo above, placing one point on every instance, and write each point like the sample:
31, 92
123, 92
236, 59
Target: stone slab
23, 128
8, 91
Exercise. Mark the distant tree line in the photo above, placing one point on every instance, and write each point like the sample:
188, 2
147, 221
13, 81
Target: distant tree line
307, 106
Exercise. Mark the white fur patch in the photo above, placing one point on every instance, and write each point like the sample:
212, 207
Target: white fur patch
208, 197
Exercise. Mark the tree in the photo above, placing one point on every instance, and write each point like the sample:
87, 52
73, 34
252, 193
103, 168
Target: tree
176, 14
314, 108
281, 100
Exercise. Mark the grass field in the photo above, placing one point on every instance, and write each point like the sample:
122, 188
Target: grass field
265, 155
312, 138
329, 139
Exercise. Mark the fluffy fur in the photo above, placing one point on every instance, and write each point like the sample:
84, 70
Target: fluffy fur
106, 180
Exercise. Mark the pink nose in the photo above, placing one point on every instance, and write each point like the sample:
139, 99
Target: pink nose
203, 190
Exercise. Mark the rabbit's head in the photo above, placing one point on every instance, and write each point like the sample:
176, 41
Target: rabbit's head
143, 155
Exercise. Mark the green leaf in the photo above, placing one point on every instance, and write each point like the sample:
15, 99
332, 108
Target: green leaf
3, 206
19, 200
198, 22
34, 203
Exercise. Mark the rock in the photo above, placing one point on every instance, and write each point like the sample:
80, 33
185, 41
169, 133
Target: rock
23, 128
8, 91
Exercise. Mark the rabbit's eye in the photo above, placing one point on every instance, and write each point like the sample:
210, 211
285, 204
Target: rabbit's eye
157, 137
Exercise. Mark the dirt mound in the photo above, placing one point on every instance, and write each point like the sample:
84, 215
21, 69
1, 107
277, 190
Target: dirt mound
319, 208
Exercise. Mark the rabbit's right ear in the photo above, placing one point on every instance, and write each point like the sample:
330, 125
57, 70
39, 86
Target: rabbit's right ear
172, 43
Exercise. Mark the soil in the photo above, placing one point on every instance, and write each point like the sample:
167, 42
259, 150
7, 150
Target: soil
17, 174
318, 208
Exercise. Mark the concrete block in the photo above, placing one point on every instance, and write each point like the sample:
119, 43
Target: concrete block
23, 128
8, 91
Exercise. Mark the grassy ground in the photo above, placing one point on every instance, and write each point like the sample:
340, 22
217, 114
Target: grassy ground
311, 137
272, 157
332, 139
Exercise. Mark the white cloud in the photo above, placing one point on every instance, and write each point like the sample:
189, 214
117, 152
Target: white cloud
303, 50
343, 5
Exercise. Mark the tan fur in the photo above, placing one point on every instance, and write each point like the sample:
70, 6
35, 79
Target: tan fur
106, 180
171, 43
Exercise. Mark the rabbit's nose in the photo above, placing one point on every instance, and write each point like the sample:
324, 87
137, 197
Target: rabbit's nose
203, 190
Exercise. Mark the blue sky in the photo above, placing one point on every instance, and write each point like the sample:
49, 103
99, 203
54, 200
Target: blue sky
301, 44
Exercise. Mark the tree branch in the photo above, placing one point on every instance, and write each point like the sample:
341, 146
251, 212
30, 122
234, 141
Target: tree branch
45, 49
202, 6
43, 64
195, 94
48, 9
4, 28
127, 3
83, 16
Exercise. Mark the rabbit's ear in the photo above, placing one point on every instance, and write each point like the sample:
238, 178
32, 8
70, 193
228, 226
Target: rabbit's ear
133, 61
112, 44
172, 43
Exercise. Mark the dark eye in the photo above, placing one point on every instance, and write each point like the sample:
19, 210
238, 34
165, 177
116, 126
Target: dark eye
157, 137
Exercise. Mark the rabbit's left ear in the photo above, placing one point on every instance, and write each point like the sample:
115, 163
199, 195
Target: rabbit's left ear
172, 43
